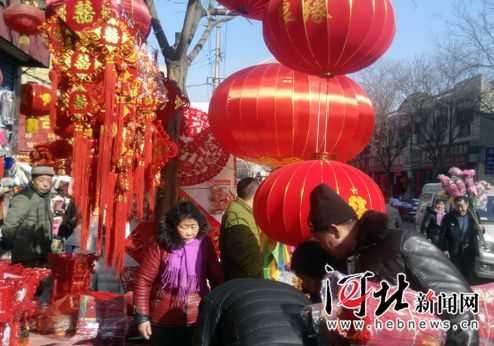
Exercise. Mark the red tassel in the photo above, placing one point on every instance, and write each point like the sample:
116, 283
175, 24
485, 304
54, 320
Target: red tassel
115, 256
81, 176
140, 184
55, 81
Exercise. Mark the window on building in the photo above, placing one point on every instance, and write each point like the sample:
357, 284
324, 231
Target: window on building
463, 122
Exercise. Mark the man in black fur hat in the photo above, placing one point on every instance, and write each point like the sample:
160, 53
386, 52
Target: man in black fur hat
367, 244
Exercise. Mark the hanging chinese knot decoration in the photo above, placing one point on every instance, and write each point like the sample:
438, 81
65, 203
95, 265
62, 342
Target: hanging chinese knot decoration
106, 90
304, 115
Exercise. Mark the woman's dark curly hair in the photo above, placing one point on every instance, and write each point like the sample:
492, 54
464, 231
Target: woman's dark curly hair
167, 234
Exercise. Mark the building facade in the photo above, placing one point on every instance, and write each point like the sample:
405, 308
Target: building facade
454, 128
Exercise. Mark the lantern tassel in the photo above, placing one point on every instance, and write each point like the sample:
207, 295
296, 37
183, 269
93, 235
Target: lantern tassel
55, 81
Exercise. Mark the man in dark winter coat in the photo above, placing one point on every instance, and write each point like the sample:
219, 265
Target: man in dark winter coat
368, 245
253, 312
459, 236
28, 226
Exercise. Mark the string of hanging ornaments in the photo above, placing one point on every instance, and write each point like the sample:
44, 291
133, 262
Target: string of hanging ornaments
105, 92
303, 116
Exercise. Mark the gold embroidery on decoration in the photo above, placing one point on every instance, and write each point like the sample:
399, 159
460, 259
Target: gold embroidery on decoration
286, 12
315, 10
84, 12
111, 35
45, 99
80, 102
358, 204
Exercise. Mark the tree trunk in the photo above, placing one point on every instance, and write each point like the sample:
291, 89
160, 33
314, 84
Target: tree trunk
177, 71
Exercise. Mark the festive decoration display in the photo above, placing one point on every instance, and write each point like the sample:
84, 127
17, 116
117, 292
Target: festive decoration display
201, 157
106, 90
23, 18
282, 202
462, 184
318, 37
272, 115
35, 99
253, 9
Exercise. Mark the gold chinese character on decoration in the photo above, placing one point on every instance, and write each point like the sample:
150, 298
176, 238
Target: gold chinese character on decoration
111, 35
45, 99
82, 62
315, 10
286, 12
84, 12
80, 102
45, 122
358, 204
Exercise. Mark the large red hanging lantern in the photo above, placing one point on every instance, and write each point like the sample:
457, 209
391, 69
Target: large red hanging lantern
272, 115
35, 99
23, 18
282, 202
321, 37
253, 9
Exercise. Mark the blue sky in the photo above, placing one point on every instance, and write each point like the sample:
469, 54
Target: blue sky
420, 24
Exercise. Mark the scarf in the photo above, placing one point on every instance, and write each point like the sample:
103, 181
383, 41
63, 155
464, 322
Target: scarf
439, 216
183, 271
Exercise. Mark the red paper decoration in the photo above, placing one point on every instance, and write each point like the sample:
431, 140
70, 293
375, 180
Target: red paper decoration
253, 9
201, 156
273, 115
282, 202
321, 37
35, 99
23, 18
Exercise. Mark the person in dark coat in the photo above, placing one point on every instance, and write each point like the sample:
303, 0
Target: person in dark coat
367, 244
432, 222
27, 230
254, 312
460, 232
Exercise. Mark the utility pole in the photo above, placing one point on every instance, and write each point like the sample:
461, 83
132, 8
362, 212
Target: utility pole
217, 58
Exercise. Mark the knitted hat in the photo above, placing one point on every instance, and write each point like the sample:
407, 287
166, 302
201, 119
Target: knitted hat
42, 170
328, 208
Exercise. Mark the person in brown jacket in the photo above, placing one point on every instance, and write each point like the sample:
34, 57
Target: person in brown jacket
173, 277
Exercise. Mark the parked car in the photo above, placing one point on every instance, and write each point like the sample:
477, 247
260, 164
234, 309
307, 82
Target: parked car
484, 263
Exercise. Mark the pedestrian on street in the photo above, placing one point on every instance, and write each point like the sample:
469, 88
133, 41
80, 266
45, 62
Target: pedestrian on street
394, 217
431, 226
254, 312
460, 230
240, 237
173, 275
27, 229
367, 244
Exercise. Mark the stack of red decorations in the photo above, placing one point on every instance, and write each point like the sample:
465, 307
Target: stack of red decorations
17, 288
71, 273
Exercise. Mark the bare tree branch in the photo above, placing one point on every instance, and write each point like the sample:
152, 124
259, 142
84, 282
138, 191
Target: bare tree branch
163, 42
193, 15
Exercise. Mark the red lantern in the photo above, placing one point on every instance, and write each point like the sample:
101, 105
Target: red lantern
316, 37
139, 13
282, 202
25, 19
253, 9
35, 99
272, 115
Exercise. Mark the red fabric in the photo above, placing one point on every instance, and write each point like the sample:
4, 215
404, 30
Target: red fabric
288, 116
337, 37
156, 303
